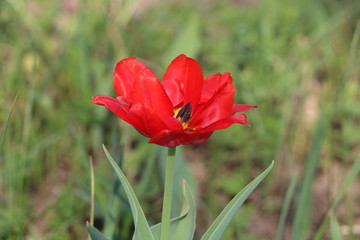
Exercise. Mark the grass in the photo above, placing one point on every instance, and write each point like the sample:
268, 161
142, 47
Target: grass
297, 60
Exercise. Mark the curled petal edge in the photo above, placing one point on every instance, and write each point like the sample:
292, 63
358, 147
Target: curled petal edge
226, 122
243, 107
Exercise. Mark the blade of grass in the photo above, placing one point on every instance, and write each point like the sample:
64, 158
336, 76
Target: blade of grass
335, 228
354, 172
3, 132
285, 207
302, 217
92, 196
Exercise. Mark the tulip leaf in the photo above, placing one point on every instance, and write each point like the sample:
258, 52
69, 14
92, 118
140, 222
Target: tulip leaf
182, 227
142, 229
94, 233
218, 227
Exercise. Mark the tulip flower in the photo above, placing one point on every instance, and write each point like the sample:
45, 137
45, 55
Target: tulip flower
184, 108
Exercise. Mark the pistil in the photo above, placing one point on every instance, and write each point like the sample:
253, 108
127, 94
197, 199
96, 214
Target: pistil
184, 114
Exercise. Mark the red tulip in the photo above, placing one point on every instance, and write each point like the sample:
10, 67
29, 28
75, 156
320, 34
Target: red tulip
184, 108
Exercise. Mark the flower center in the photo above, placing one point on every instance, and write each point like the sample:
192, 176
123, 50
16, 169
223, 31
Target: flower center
183, 114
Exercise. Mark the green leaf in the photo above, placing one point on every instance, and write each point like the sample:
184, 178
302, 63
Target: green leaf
335, 228
285, 207
303, 211
94, 233
183, 226
222, 221
3, 132
142, 229
114, 210
351, 176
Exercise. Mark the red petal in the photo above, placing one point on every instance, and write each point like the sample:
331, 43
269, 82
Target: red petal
226, 122
218, 106
174, 91
172, 123
174, 138
189, 75
148, 90
141, 116
146, 120
120, 109
168, 138
211, 85
126, 72
242, 107
200, 138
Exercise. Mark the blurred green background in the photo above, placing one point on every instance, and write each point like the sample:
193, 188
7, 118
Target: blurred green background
298, 60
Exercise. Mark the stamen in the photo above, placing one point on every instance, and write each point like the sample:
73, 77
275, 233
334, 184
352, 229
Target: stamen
185, 113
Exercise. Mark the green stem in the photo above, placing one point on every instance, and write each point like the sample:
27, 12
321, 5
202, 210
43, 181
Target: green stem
166, 211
